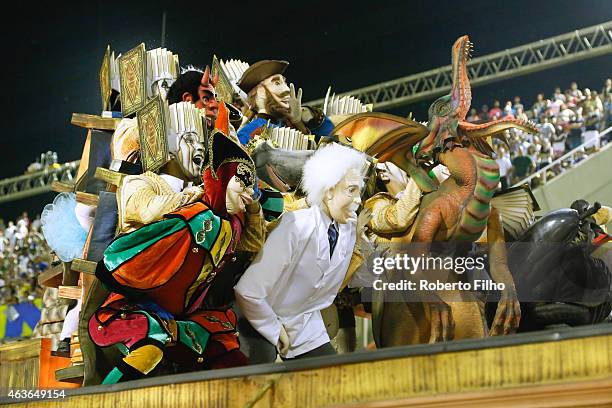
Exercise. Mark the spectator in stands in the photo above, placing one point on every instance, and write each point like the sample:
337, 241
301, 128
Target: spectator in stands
22, 231
10, 232
545, 155
536, 182
505, 166
520, 114
600, 103
575, 93
473, 116
574, 135
35, 226
517, 105
591, 104
579, 156
606, 96
484, 112
554, 171
555, 106
546, 128
606, 91
592, 111
536, 141
523, 165
532, 152
566, 115
24, 216
569, 100
524, 141
508, 111
514, 143
495, 112
558, 140
558, 95
539, 106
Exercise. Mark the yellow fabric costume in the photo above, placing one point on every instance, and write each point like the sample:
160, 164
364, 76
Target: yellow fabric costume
145, 198
125, 144
603, 216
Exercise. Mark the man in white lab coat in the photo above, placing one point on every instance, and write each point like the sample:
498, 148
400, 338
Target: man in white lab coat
305, 259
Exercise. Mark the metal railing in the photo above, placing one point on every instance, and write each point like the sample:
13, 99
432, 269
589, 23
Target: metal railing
581, 44
567, 156
38, 182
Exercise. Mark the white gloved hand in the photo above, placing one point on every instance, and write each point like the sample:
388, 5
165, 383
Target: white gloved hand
283, 342
192, 194
364, 218
295, 105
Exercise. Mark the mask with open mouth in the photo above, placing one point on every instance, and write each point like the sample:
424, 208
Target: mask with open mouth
186, 139
190, 155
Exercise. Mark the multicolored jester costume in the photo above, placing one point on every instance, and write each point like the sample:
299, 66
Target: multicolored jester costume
163, 277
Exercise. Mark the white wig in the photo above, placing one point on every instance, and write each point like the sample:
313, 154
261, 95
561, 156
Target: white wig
327, 167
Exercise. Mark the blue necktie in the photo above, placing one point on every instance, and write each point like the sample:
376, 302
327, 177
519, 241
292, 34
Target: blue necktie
332, 236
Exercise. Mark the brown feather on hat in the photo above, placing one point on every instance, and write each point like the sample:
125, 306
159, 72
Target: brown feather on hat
260, 71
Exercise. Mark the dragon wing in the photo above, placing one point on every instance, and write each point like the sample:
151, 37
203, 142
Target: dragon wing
387, 138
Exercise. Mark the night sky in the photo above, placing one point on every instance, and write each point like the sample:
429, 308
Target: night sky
54, 53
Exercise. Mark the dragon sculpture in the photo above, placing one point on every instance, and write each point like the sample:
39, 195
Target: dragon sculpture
459, 209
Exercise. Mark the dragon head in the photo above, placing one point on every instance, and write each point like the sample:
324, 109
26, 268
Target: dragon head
447, 111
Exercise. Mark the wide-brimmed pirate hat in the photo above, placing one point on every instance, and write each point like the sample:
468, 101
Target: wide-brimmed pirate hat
260, 71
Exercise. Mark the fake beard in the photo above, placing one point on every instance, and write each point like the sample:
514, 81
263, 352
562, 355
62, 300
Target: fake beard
273, 107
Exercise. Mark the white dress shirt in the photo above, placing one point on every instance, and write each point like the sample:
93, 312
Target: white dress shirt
293, 278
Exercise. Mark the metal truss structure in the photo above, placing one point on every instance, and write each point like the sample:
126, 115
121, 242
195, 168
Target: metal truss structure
537, 56
36, 183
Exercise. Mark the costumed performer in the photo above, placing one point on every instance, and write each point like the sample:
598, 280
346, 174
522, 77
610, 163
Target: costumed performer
304, 262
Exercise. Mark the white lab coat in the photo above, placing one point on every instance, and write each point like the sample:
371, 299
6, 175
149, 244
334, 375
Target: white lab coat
292, 279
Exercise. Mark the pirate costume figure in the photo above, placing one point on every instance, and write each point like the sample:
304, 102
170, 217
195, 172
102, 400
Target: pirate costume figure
308, 258
275, 104
273, 101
